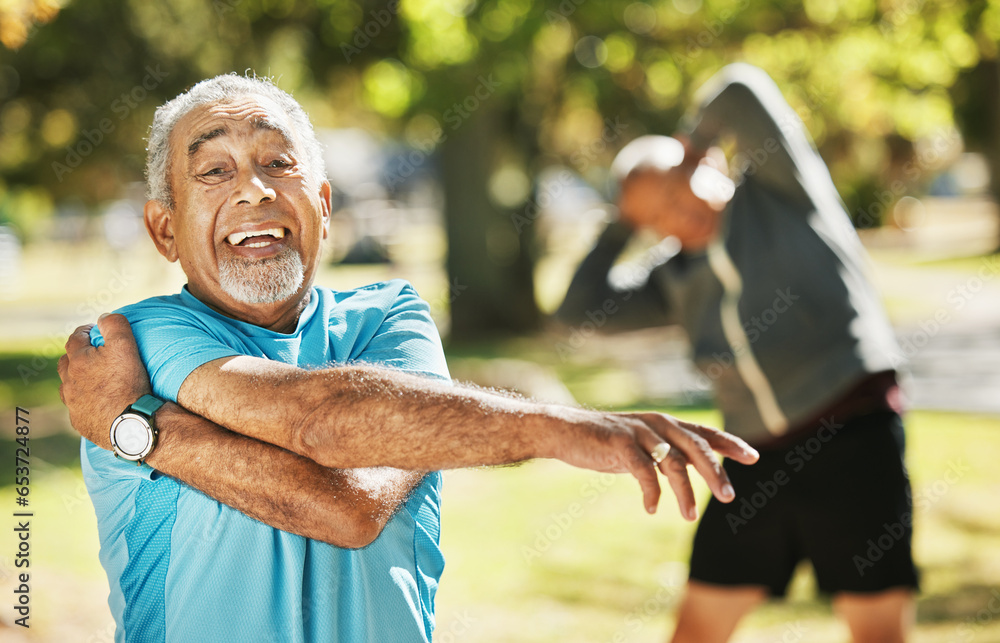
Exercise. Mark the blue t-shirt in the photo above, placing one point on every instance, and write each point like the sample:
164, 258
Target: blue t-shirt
184, 567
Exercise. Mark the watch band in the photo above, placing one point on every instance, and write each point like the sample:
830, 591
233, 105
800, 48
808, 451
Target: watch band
147, 405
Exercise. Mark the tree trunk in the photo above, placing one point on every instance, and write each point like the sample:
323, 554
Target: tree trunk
976, 97
991, 142
490, 267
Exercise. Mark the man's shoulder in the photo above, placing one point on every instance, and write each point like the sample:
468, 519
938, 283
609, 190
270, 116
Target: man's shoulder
388, 290
385, 322
385, 297
159, 306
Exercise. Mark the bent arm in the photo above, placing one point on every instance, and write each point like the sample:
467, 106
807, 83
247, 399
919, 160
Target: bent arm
265, 482
277, 487
639, 302
772, 144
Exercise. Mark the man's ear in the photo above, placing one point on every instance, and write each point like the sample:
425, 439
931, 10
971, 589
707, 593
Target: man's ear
324, 204
160, 226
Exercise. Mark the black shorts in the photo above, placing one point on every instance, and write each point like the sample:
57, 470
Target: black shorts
838, 496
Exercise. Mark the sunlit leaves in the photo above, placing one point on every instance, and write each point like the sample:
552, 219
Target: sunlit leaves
838, 12
620, 50
640, 18
502, 17
663, 81
390, 87
553, 41
920, 115
58, 128
18, 17
438, 33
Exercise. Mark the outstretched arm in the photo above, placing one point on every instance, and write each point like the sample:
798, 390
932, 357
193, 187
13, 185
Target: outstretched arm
360, 415
346, 508
357, 416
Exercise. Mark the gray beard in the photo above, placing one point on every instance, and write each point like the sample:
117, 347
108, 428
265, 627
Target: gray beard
261, 281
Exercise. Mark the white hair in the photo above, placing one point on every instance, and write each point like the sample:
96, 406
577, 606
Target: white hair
261, 281
222, 88
650, 152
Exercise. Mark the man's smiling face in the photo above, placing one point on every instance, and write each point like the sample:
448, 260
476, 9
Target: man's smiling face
248, 216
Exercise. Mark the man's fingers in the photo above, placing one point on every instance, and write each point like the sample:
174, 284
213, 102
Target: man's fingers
725, 443
643, 468
675, 468
115, 328
698, 453
80, 338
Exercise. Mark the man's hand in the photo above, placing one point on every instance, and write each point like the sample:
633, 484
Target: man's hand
623, 442
99, 382
346, 508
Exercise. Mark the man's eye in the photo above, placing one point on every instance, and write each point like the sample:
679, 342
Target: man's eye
278, 163
214, 171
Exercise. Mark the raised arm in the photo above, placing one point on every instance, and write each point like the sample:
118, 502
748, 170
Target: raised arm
772, 144
284, 490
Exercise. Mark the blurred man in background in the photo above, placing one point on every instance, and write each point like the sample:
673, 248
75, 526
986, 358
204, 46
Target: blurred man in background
273, 475
770, 285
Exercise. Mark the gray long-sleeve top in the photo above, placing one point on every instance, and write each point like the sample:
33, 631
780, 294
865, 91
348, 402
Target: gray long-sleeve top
779, 311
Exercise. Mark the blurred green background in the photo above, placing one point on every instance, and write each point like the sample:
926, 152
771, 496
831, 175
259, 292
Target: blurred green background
468, 143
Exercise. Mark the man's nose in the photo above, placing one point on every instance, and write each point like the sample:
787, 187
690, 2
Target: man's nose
252, 189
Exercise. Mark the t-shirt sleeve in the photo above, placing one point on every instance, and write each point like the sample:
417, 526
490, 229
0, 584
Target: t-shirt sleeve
407, 338
172, 343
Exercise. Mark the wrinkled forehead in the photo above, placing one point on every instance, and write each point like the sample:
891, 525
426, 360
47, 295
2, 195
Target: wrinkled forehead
235, 117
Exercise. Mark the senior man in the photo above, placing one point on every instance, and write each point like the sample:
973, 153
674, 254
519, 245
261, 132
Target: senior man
287, 436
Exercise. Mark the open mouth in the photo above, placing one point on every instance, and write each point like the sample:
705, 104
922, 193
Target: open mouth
256, 239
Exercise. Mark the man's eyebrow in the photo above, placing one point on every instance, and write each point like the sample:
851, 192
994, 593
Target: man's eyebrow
273, 126
196, 143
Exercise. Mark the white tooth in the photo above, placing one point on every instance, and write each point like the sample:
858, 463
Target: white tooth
273, 232
236, 237
259, 244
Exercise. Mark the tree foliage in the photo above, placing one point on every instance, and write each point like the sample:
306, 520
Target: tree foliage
878, 83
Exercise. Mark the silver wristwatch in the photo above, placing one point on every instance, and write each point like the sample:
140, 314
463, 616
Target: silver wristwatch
133, 433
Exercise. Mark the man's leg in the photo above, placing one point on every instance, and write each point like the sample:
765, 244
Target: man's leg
883, 617
743, 552
710, 613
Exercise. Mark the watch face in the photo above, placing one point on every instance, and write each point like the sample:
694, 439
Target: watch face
132, 437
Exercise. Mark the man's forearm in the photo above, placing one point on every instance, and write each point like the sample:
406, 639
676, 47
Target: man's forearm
361, 415
635, 303
277, 487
